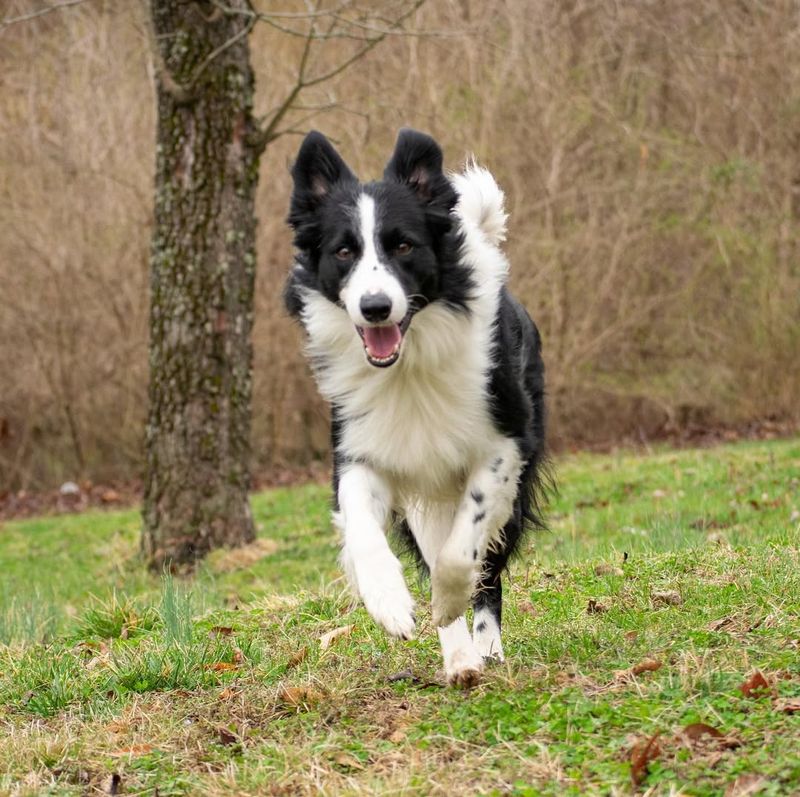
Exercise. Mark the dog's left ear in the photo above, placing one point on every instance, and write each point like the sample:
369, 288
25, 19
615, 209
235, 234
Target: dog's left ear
417, 162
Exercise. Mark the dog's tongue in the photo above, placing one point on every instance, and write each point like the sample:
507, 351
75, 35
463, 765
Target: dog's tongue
381, 341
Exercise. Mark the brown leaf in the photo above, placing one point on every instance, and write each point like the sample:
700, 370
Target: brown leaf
595, 607
746, 785
297, 658
226, 737
220, 630
326, 640
648, 665
788, 705
631, 636
221, 666
228, 692
527, 607
697, 730
608, 570
641, 755
296, 696
133, 750
755, 686
668, 596
347, 761
718, 625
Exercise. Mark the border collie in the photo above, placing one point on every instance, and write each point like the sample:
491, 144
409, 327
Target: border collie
435, 379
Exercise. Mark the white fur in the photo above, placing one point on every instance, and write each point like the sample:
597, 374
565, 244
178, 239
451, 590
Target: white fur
370, 276
487, 639
424, 426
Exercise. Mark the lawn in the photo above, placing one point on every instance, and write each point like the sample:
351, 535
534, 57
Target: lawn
665, 584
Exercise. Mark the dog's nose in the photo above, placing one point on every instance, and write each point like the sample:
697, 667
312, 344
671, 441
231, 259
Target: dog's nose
375, 307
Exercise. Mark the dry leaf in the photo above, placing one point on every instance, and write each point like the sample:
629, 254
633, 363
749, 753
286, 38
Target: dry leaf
347, 761
595, 607
755, 686
300, 695
718, 625
631, 636
133, 750
608, 570
668, 596
326, 640
221, 666
226, 737
220, 630
641, 755
648, 665
297, 658
228, 692
527, 607
745, 785
788, 705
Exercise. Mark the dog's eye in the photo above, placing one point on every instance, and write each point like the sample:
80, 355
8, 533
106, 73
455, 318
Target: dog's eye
403, 248
344, 253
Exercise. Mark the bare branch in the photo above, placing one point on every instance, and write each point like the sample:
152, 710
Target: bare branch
4, 23
271, 131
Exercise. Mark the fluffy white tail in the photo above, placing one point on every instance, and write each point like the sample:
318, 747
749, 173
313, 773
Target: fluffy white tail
481, 202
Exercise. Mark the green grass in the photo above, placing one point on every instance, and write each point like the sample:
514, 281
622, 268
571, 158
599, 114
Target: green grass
220, 685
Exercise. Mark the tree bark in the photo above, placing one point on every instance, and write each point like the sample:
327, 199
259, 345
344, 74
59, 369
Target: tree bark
202, 275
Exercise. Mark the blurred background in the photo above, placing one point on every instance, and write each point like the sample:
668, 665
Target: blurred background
650, 154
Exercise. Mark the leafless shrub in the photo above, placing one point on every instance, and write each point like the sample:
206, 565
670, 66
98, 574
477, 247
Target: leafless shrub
649, 153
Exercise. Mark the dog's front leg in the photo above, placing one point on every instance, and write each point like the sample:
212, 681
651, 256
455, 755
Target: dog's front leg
365, 500
486, 505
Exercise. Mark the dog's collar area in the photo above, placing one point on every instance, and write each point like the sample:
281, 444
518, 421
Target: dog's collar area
382, 342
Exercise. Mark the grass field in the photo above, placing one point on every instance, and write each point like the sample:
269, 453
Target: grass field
665, 582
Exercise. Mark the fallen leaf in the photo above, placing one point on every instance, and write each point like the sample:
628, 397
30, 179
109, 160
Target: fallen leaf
718, 625
648, 665
297, 658
133, 750
608, 570
347, 761
697, 730
220, 630
788, 705
745, 785
668, 596
110, 497
403, 675
527, 607
300, 695
326, 640
755, 686
228, 692
221, 666
631, 636
226, 737
641, 755
595, 607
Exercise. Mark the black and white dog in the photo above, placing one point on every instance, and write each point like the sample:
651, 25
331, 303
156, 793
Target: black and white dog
435, 379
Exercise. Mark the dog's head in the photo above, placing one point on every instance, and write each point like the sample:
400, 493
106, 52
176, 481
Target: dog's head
383, 250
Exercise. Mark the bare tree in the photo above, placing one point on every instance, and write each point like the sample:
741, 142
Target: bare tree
203, 253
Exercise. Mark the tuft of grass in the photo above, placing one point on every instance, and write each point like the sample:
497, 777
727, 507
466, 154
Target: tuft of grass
221, 685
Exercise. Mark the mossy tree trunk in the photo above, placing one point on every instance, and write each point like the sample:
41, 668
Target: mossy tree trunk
202, 273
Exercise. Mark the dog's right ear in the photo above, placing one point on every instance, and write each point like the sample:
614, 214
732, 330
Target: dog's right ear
317, 169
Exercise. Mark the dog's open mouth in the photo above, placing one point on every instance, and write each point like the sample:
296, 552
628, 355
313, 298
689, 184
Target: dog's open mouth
382, 343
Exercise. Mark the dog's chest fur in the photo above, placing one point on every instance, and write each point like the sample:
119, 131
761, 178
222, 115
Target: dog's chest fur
426, 421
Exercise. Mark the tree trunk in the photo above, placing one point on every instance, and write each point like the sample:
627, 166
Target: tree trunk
202, 273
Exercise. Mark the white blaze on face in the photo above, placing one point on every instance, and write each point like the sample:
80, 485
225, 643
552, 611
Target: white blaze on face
370, 276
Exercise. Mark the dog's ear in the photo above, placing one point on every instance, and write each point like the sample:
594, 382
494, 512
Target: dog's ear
317, 169
417, 162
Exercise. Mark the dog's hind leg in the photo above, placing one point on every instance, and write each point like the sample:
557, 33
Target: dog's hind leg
365, 500
486, 506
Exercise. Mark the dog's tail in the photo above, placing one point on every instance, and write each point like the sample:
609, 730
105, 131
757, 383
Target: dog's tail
481, 202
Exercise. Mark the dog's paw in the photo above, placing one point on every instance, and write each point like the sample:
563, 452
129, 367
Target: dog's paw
452, 585
464, 668
387, 598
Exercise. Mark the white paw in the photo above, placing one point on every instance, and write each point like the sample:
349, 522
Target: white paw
385, 595
463, 667
452, 585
